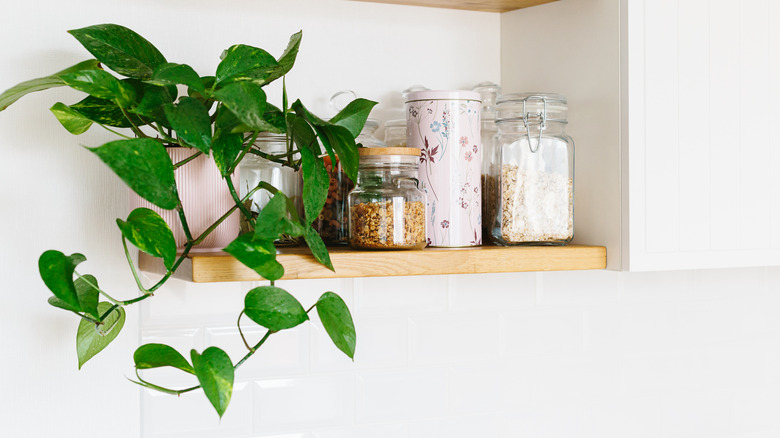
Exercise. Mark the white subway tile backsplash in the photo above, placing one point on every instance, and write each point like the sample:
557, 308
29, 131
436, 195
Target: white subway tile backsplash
195, 304
476, 388
541, 332
493, 292
452, 338
282, 405
470, 426
572, 377
730, 283
560, 419
656, 287
192, 416
561, 354
756, 409
401, 395
283, 354
182, 340
397, 430
578, 288
309, 291
704, 414
400, 296
623, 416
381, 343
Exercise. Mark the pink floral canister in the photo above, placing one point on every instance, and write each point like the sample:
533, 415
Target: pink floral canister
445, 125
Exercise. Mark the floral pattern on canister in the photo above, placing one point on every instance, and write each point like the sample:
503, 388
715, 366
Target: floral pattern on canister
445, 125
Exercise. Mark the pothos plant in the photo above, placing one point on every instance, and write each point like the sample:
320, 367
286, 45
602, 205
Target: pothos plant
150, 104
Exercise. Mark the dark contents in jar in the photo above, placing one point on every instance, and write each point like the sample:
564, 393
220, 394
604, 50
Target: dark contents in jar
331, 223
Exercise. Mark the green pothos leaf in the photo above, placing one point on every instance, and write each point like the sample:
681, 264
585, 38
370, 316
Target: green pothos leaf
215, 373
121, 49
257, 254
318, 248
149, 233
191, 121
337, 320
274, 308
56, 270
18, 91
172, 74
92, 339
160, 355
145, 166
72, 120
101, 84
315, 184
105, 112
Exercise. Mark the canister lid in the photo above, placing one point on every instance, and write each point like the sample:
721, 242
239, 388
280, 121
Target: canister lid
417, 96
388, 151
532, 106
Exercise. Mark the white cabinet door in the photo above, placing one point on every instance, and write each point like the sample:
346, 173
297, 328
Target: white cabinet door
702, 87
678, 136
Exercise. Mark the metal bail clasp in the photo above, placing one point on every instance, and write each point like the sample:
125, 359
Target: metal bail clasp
543, 121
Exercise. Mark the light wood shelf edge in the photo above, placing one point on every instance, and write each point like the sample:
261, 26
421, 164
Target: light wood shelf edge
299, 264
470, 5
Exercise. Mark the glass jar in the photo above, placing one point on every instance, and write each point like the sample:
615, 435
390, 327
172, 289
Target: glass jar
489, 93
533, 180
395, 133
254, 169
367, 137
387, 208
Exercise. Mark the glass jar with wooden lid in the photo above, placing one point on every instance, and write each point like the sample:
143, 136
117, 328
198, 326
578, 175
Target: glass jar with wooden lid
386, 207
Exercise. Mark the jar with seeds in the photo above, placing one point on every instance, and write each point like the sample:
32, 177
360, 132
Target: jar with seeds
531, 188
387, 208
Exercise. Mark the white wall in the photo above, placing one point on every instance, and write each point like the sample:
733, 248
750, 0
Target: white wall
596, 354
56, 195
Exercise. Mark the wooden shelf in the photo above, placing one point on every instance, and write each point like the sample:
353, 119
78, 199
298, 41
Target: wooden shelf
472, 5
299, 264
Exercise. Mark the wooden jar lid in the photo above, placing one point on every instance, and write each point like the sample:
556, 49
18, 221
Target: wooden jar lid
389, 151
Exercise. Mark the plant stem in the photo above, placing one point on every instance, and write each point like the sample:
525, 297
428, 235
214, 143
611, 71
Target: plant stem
243, 338
244, 152
108, 312
281, 159
187, 160
253, 349
135, 128
237, 200
165, 136
94, 321
168, 274
101, 291
114, 132
132, 267
183, 220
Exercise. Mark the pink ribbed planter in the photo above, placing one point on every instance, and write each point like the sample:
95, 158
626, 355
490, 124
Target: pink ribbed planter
205, 198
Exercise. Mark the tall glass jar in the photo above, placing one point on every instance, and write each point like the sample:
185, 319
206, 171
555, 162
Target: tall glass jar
367, 137
489, 93
254, 169
395, 133
386, 208
534, 175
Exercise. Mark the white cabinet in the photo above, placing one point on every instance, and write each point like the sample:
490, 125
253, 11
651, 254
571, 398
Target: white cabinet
672, 106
